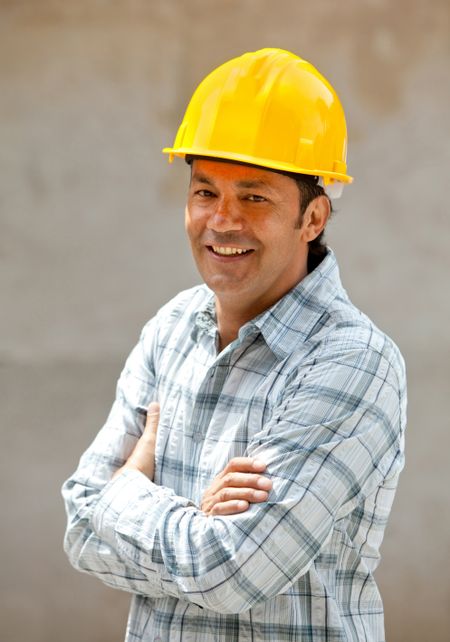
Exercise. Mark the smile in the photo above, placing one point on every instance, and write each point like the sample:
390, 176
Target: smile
228, 251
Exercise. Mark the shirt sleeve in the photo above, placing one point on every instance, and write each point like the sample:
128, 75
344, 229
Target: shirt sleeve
114, 443
335, 437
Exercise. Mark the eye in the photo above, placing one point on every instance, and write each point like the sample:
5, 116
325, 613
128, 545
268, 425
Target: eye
256, 198
204, 193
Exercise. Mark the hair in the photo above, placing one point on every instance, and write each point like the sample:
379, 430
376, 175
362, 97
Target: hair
309, 189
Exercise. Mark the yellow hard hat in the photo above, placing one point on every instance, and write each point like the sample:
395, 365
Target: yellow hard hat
268, 108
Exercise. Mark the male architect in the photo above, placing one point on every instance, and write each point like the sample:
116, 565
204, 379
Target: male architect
282, 407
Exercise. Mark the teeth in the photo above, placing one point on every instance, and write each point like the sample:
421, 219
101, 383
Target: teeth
227, 251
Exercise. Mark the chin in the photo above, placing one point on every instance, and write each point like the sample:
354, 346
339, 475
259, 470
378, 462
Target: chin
224, 287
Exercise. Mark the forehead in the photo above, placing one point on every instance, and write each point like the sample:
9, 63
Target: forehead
238, 175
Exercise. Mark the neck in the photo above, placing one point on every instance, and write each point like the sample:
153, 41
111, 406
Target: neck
230, 320
232, 313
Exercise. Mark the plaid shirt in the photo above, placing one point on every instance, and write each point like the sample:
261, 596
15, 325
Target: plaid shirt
311, 387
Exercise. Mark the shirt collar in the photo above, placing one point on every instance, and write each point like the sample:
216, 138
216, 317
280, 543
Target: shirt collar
205, 316
293, 318
303, 310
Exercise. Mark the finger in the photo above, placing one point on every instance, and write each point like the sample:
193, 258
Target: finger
229, 508
249, 480
152, 420
227, 495
248, 494
244, 465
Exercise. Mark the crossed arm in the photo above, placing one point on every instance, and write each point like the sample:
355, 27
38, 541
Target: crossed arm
233, 489
326, 449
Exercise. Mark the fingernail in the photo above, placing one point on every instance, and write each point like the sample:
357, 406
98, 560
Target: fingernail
257, 463
260, 495
265, 483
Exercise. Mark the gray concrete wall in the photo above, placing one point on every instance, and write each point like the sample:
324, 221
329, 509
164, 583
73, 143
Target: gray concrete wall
92, 242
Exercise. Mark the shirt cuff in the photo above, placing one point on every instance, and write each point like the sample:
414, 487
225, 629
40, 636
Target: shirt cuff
120, 500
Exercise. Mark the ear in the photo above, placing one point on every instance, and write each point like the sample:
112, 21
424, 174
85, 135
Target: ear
315, 218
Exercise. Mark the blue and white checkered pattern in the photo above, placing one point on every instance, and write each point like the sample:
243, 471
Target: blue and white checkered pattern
311, 387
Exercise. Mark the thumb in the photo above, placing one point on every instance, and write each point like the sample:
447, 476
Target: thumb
151, 423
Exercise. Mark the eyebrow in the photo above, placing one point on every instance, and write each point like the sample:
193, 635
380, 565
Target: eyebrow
201, 178
246, 184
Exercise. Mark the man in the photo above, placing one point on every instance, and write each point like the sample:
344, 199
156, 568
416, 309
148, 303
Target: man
254, 505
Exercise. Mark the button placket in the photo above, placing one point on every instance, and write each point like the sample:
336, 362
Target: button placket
211, 387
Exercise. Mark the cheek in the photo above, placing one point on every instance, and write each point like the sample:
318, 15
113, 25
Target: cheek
288, 246
187, 217
189, 222
195, 226
194, 217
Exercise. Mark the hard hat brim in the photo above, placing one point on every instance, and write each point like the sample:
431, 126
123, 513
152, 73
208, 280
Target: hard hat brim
328, 176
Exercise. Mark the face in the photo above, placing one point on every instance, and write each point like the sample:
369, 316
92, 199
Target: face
242, 223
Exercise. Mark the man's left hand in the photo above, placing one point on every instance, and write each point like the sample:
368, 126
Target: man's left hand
240, 484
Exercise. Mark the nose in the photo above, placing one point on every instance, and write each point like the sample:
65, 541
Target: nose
225, 217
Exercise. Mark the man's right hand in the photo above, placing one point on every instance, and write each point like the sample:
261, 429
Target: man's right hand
142, 458
240, 484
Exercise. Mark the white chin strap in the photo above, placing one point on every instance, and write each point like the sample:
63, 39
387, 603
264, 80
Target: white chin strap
332, 190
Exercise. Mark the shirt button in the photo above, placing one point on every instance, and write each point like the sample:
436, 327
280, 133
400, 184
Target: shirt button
197, 436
